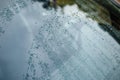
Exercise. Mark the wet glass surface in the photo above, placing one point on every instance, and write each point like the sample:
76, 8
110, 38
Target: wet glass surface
57, 40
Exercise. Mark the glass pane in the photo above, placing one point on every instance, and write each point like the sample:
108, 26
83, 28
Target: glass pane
57, 40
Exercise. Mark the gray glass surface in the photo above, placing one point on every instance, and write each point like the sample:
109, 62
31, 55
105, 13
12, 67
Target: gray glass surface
48, 44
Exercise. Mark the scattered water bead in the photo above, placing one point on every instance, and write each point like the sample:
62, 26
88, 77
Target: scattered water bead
21, 3
1, 31
6, 14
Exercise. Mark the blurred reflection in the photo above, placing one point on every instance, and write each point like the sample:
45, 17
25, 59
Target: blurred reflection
54, 3
93, 10
46, 3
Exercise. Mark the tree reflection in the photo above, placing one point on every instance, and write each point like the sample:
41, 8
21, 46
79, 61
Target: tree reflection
48, 4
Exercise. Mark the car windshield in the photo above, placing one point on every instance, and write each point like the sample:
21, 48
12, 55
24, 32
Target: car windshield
57, 40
